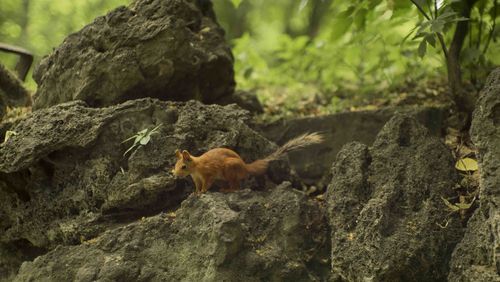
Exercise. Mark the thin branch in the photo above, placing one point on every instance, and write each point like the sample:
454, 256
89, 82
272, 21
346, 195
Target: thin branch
438, 34
435, 9
429, 7
421, 10
490, 36
471, 74
480, 29
443, 44
470, 34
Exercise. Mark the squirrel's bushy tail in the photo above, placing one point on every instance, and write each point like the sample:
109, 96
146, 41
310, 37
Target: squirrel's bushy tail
260, 166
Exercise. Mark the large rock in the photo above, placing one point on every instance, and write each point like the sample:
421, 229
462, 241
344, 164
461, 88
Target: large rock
385, 207
171, 50
338, 130
245, 99
64, 177
277, 235
477, 257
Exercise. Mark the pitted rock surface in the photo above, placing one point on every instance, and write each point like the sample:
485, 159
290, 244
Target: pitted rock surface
476, 258
277, 235
385, 207
64, 177
170, 50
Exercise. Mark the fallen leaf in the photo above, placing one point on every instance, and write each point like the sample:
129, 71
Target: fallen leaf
450, 205
466, 164
465, 151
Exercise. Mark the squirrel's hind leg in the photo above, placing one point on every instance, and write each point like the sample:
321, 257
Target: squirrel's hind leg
234, 171
234, 185
206, 184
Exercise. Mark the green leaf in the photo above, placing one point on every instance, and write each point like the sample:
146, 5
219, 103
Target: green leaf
399, 7
422, 27
481, 5
138, 139
340, 25
400, 4
410, 33
421, 3
450, 205
470, 55
422, 48
431, 39
129, 149
374, 3
236, 3
494, 11
145, 140
437, 26
130, 138
447, 14
8, 134
461, 19
348, 12
464, 206
466, 164
360, 18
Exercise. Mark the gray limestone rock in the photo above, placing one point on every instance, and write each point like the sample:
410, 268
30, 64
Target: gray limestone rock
171, 50
385, 207
64, 177
277, 235
338, 130
477, 257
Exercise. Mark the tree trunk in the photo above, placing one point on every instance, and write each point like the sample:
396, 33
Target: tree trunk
318, 10
23, 22
463, 99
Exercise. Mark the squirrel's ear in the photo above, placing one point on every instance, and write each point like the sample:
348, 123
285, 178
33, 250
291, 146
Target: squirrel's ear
186, 156
178, 154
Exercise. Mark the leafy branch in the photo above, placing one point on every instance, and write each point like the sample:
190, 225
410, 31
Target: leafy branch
434, 26
493, 15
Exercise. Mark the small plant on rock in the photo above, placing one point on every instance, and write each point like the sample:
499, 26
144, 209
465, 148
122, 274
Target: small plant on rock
141, 138
8, 134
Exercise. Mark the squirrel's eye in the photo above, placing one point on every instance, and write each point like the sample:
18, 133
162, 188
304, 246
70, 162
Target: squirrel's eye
183, 166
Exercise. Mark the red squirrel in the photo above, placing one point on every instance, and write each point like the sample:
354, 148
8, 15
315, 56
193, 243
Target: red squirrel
225, 164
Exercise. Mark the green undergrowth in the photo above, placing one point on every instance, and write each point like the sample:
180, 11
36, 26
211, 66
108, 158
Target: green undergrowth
301, 100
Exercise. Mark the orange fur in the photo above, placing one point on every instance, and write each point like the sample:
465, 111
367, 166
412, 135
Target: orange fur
225, 164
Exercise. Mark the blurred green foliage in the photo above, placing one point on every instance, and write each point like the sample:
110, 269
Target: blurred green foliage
360, 50
337, 54
41, 25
